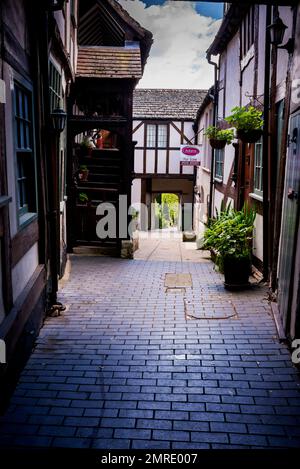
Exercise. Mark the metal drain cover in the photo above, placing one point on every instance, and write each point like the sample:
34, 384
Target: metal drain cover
178, 280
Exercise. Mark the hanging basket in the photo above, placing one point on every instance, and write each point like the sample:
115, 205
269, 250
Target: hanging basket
217, 144
249, 136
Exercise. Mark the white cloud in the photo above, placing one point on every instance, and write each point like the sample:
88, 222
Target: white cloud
181, 37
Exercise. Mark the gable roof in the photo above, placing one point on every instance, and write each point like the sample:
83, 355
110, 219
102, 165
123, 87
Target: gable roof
109, 62
167, 103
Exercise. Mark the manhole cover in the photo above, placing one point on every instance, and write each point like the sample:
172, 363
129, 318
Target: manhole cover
178, 280
224, 310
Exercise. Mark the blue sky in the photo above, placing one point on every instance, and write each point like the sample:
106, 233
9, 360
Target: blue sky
182, 33
214, 10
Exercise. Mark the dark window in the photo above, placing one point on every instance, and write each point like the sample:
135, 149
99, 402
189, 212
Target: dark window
54, 87
247, 32
26, 184
219, 164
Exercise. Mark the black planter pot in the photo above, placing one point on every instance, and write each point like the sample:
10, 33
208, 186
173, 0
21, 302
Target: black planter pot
236, 272
217, 144
249, 136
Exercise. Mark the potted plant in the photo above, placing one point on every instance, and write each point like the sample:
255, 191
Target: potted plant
218, 138
86, 147
83, 198
230, 237
248, 122
83, 173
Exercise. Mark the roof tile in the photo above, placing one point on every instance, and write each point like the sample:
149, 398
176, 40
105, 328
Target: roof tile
167, 103
109, 62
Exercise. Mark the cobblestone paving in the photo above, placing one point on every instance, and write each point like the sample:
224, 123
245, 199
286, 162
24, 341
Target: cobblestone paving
125, 366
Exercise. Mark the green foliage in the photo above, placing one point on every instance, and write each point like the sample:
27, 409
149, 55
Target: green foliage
213, 132
246, 118
86, 143
83, 167
83, 197
231, 233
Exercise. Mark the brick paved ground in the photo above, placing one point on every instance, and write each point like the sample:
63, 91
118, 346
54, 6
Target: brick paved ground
126, 366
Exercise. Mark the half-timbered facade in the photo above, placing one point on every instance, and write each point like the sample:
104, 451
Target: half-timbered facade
250, 69
162, 121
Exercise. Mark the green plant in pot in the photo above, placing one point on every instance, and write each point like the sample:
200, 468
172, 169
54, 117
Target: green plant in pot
83, 173
86, 147
230, 236
83, 198
248, 122
218, 138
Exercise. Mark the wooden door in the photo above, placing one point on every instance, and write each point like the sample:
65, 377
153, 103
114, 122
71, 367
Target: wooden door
290, 223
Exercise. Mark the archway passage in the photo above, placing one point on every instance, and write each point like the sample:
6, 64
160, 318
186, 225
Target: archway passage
167, 211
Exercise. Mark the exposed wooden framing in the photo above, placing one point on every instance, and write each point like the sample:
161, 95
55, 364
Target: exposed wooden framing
181, 141
145, 150
23, 241
168, 150
181, 132
138, 127
156, 149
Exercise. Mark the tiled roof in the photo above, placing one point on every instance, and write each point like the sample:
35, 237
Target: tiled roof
109, 62
167, 103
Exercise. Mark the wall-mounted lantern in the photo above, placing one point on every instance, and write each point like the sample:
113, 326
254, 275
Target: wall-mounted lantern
54, 5
59, 118
277, 30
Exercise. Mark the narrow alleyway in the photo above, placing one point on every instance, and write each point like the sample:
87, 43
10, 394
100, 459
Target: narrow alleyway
141, 359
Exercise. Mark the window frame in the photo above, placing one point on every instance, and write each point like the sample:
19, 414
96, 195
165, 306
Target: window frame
25, 214
247, 32
219, 176
155, 135
258, 188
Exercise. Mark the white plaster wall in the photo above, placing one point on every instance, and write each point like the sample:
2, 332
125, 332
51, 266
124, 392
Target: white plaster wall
138, 135
261, 50
228, 160
174, 165
23, 270
150, 161
188, 131
138, 161
218, 197
248, 82
282, 60
258, 237
233, 74
174, 135
161, 161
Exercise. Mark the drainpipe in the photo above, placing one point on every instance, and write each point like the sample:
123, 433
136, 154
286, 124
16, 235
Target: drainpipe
215, 101
266, 200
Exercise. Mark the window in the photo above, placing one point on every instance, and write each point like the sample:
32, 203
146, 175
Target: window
151, 135
54, 87
258, 169
219, 163
26, 186
157, 135
247, 32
